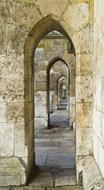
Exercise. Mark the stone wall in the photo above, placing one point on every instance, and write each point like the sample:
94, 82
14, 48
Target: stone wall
22, 25
98, 90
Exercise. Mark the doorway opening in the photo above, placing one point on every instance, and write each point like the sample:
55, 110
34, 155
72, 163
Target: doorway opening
41, 30
58, 90
54, 138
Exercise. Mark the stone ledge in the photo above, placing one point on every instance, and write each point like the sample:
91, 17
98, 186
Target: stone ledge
12, 172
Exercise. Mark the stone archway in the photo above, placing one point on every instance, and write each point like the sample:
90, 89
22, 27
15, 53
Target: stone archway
36, 34
52, 62
75, 21
62, 77
43, 27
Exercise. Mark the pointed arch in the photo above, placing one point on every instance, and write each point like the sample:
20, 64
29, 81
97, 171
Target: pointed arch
51, 63
41, 28
59, 78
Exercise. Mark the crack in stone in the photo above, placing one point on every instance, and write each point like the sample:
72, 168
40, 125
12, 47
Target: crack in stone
38, 9
64, 10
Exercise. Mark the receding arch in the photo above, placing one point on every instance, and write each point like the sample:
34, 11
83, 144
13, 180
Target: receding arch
41, 28
62, 76
52, 62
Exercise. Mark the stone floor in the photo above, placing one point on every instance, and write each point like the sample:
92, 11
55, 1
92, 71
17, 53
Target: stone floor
48, 188
59, 118
55, 151
55, 157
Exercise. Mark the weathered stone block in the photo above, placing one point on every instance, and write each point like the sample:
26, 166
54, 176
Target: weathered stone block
21, 14
12, 88
6, 139
2, 111
2, 39
43, 180
7, 12
84, 114
11, 172
86, 40
77, 14
65, 181
84, 141
14, 111
84, 91
84, 63
19, 142
92, 180
52, 8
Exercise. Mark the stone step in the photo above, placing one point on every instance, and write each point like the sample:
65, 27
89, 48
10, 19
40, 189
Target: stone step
63, 100
54, 141
61, 107
64, 180
55, 137
70, 187
54, 134
62, 103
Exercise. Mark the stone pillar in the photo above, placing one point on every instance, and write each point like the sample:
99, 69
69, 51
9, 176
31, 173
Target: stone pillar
40, 110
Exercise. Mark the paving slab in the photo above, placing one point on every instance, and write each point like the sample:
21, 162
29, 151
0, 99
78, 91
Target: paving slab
65, 181
42, 180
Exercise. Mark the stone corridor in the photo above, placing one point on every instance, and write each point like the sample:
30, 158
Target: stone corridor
52, 94
55, 149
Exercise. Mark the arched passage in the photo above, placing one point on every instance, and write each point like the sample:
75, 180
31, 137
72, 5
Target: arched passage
81, 33
62, 77
43, 27
52, 62
45, 148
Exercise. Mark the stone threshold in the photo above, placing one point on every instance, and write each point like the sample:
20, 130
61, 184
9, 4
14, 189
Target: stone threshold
42, 188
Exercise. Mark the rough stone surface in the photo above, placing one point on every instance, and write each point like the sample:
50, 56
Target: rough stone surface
23, 24
65, 181
92, 180
43, 180
11, 172
98, 83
